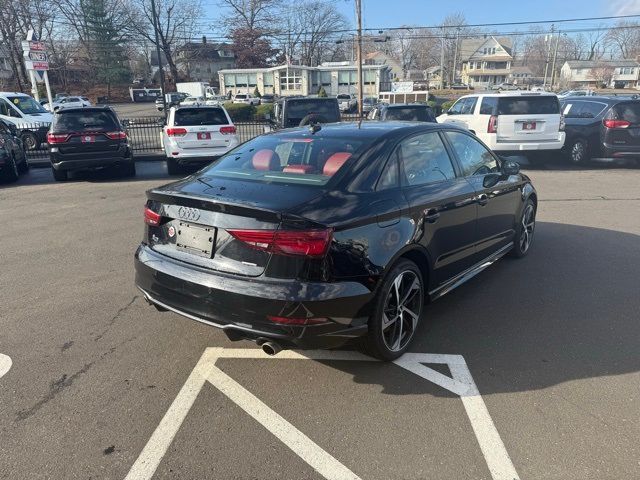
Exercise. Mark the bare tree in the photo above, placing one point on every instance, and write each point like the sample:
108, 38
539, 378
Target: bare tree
625, 38
596, 43
251, 14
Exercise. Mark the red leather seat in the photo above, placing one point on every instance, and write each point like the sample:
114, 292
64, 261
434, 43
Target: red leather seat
302, 169
266, 160
334, 162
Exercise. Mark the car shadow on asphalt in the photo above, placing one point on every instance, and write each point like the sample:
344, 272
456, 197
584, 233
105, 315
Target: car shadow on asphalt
567, 311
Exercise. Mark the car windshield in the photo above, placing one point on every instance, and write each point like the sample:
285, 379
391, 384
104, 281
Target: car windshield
200, 116
531, 105
83, 121
410, 114
370, 100
293, 158
27, 105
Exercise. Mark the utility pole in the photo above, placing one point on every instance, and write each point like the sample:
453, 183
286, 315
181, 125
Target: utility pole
442, 60
160, 72
359, 52
455, 57
553, 64
546, 63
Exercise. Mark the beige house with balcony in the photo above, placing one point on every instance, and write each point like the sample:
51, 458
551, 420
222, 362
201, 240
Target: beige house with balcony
486, 61
593, 73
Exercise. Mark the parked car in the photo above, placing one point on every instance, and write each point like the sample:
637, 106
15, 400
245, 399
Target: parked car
505, 86
13, 158
197, 135
68, 102
246, 98
602, 128
511, 122
347, 102
88, 138
461, 86
407, 112
268, 98
576, 93
190, 101
310, 238
299, 111
30, 118
172, 99
368, 103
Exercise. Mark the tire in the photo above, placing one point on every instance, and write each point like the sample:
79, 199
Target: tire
578, 152
525, 230
129, 169
9, 172
311, 119
30, 141
60, 175
173, 168
388, 338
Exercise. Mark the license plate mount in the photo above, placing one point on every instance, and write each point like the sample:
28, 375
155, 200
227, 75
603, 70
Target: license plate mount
88, 138
204, 136
528, 126
196, 239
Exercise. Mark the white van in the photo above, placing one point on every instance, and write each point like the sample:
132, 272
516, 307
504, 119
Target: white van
512, 121
30, 118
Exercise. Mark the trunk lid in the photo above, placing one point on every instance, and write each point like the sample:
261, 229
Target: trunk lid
629, 134
523, 119
202, 127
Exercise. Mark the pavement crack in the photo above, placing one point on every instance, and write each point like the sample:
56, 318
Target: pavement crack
115, 317
55, 388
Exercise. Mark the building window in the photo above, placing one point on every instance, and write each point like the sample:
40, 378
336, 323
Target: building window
347, 77
325, 79
369, 77
267, 79
291, 79
229, 80
253, 81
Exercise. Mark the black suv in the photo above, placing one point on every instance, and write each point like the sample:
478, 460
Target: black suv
88, 138
300, 111
602, 128
13, 159
407, 112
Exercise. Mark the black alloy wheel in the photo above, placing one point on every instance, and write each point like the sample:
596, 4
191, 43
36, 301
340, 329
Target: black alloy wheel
525, 230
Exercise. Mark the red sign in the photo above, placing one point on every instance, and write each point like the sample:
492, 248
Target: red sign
38, 46
37, 65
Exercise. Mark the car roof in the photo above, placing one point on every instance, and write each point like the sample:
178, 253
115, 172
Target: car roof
405, 105
609, 99
511, 93
96, 108
370, 130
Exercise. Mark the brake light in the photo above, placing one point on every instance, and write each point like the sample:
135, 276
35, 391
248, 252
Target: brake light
310, 243
116, 135
230, 130
296, 321
492, 127
53, 138
611, 123
151, 218
176, 132
562, 123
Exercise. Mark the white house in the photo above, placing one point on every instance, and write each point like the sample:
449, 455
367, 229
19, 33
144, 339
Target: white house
287, 80
593, 73
485, 61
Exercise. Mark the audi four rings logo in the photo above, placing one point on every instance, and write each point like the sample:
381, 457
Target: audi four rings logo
187, 213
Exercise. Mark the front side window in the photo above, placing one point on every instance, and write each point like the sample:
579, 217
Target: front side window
469, 106
475, 158
27, 105
456, 108
425, 159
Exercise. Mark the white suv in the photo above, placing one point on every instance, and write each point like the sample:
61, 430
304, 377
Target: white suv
246, 98
347, 102
197, 134
513, 122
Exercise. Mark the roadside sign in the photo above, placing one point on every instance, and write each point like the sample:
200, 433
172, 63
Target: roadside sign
401, 87
31, 65
37, 56
33, 45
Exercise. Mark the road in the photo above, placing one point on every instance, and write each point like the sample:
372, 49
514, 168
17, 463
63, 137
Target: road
551, 342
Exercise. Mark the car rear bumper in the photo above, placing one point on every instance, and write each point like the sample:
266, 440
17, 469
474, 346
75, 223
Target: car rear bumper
240, 305
88, 162
198, 154
525, 146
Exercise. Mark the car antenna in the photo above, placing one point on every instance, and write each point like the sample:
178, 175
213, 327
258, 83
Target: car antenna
315, 127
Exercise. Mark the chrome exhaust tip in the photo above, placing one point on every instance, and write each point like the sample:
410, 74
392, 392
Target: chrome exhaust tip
271, 348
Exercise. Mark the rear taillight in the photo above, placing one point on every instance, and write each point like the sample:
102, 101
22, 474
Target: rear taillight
492, 127
611, 123
116, 135
310, 243
176, 132
297, 321
151, 218
53, 138
228, 130
562, 123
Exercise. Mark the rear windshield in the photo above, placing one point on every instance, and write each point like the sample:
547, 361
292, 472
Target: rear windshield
410, 114
83, 121
300, 109
200, 116
302, 159
241, 96
542, 105
627, 111
344, 97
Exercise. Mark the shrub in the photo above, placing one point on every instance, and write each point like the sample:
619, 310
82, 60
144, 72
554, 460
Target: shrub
263, 110
322, 92
240, 112
256, 93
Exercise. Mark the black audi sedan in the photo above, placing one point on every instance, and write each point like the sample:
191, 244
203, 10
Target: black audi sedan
312, 236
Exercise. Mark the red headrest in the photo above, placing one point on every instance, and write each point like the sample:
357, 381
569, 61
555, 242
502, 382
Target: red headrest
266, 160
298, 169
334, 162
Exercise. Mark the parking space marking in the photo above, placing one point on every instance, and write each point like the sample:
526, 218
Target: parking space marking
5, 364
460, 383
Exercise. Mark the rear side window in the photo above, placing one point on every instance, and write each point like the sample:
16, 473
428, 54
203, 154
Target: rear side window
411, 114
582, 109
629, 111
83, 121
199, 116
488, 105
543, 105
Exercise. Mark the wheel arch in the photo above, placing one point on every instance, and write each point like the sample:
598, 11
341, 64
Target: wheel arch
420, 257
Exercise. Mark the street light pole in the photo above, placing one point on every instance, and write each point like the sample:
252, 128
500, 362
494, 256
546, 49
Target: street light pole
160, 72
359, 54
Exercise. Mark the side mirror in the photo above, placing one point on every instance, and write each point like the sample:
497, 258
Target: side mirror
509, 167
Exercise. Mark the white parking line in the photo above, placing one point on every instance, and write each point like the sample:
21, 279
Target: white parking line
461, 383
5, 364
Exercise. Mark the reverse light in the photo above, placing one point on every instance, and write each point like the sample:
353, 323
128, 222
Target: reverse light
611, 123
151, 218
176, 132
297, 321
116, 135
492, 127
53, 138
230, 130
310, 243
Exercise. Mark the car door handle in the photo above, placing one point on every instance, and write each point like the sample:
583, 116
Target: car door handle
482, 199
432, 216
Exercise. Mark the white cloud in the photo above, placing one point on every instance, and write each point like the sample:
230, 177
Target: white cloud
624, 7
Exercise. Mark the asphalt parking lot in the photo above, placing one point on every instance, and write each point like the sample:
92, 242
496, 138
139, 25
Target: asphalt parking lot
96, 384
